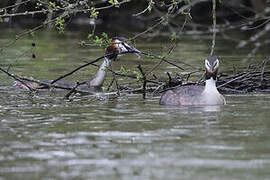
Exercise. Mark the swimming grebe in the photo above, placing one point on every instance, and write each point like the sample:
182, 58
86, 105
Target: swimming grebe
195, 94
118, 46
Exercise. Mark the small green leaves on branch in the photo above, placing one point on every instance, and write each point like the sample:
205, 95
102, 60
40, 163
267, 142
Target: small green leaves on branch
90, 35
32, 33
174, 2
138, 75
148, 56
52, 5
94, 13
149, 8
102, 41
174, 37
2, 11
114, 3
125, 71
162, 56
38, 5
59, 24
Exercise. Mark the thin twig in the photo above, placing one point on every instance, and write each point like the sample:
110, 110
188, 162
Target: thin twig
17, 79
111, 83
263, 69
232, 80
73, 90
167, 61
214, 27
86, 64
76, 69
150, 4
117, 86
144, 80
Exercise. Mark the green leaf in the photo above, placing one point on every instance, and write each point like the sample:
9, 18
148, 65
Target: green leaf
59, 24
149, 56
150, 7
52, 5
114, 2
174, 37
32, 33
94, 13
123, 70
89, 36
162, 56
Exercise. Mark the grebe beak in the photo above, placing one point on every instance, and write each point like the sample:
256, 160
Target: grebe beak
124, 47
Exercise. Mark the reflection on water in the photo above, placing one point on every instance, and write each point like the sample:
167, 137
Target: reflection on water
43, 136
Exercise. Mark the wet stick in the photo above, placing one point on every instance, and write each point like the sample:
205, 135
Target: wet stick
144, 80
17, 78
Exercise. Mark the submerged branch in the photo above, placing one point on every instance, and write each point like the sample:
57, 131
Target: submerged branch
144, 80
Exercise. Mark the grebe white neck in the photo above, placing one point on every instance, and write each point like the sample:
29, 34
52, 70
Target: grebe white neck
101, 73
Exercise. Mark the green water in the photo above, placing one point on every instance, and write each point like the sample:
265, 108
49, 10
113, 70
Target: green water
43, 136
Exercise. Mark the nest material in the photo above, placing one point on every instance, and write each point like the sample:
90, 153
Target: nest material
246, 82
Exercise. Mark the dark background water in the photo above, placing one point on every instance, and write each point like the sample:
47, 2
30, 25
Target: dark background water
43, 136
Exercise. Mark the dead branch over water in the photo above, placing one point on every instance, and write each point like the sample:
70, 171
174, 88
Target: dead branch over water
256, 79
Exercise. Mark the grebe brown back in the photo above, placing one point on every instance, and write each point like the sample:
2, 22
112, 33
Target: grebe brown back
118, 46
196, 94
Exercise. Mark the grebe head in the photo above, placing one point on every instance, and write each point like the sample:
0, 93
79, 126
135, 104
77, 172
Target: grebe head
119, 45
211, 67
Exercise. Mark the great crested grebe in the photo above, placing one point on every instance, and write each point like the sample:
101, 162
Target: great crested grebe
118, 46
195, 94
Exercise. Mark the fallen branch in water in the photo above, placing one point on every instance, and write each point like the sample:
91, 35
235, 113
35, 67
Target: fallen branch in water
39, 85
15, 77
250, 81
254, 79
144, 80
73, 90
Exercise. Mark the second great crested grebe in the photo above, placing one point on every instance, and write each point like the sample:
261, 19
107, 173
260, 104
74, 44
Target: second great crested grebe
118, 46
195, 94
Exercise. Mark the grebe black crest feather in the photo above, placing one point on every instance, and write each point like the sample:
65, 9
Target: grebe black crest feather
120, 39
212, 59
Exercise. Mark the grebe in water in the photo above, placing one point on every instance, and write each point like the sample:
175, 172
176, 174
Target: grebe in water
195, 94
117, 46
